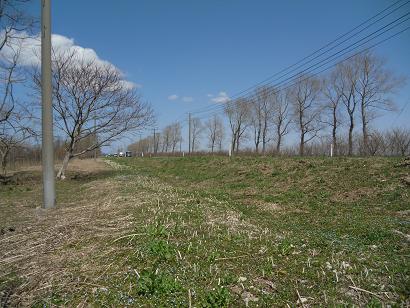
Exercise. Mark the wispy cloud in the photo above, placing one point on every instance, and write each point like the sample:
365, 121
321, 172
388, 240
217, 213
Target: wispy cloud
173, 97
222, 97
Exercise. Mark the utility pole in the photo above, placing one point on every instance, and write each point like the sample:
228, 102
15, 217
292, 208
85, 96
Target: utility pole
189, 132
95, 135
155, 143
47, 150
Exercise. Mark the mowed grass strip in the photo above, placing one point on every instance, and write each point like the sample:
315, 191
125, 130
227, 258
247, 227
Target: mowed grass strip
213, 232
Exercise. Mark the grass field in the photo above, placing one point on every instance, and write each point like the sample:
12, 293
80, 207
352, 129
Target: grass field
211, 232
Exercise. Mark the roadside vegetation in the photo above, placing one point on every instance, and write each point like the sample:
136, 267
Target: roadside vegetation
211, 232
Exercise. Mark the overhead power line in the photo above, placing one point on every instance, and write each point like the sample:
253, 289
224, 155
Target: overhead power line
322, 50
340, 53
212, 113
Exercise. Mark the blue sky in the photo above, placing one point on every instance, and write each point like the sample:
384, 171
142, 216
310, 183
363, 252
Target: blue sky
195, 48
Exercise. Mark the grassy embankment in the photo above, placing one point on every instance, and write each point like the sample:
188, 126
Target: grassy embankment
213, 231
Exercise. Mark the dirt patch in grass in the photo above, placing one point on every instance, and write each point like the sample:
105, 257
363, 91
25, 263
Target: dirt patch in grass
354, 195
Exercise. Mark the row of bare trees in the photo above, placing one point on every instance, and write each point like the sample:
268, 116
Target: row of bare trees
169, 140
352, 95
333, 107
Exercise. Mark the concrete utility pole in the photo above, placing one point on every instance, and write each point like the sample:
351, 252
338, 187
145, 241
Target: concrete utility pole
155, 143
95, 134
47, 150
189, 132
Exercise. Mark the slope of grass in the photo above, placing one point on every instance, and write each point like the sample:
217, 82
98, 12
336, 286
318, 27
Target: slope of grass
212, 232
334, 223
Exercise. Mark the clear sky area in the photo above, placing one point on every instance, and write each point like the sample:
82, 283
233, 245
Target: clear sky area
186, 54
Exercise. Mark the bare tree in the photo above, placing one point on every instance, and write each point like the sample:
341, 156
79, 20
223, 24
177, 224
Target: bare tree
10, 75
261, 111
346, 85
157, 141
166, 138
15, 118
215, 132
85, 91
144, 145
15, 23
238, 116
376, 144
304, 98
398, 140
196, 131
172, 136
332, 92
281, 117
13, 133
373, 86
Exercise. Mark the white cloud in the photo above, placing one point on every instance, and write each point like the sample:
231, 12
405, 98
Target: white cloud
222, 97
30, 51
131, 85
187, 99
173, 97
210, 95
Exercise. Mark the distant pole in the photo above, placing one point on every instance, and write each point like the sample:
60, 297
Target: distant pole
155, 143
49, 194
331, 150
95, 135
189, 133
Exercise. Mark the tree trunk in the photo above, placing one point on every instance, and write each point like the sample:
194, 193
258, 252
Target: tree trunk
364, 126
334, 136
4, 164
233, 144
302, 144
264, 133
351, 127
61, 172
278, 144
257, 140
4, 156
237, 142
365, 135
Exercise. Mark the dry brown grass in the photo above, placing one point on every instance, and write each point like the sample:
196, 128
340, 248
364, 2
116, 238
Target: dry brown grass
43, 247
40, 246
77, 165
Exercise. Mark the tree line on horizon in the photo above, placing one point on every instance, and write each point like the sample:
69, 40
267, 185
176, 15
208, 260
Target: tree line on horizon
337, 109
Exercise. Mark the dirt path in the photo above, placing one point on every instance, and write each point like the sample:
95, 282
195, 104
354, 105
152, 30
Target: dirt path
79, 165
